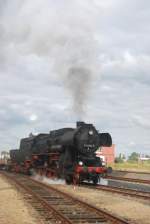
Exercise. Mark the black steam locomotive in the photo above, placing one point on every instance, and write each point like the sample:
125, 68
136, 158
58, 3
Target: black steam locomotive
67, 153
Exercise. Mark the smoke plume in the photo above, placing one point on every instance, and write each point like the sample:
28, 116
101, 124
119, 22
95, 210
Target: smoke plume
46, 180
78, 80
61, 32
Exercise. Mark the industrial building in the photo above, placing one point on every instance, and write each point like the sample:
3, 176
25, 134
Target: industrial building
107, 154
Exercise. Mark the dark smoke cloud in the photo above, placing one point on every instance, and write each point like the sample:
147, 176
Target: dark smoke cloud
78, 82
61, 31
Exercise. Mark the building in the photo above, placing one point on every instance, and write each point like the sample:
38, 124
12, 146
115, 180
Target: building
107, 154
143, 158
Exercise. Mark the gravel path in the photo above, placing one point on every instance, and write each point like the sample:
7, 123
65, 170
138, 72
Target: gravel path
125, 184
13, 208
133, 175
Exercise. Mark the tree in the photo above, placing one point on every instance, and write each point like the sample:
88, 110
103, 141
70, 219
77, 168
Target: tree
4, 155
133, 157
119, 159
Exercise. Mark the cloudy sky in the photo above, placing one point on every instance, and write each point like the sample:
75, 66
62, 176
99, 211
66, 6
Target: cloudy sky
65, 60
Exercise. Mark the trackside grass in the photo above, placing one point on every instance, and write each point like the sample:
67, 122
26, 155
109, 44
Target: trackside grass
133, 166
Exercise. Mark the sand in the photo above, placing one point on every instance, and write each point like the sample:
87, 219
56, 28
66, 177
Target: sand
13, 207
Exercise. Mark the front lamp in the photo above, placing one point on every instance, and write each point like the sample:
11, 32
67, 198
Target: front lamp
91, 132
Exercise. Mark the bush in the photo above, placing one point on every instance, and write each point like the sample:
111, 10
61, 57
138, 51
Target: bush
133, 157
118, 160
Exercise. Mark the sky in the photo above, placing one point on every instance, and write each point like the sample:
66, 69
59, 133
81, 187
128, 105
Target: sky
68, 60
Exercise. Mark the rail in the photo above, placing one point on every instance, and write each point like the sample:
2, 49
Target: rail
124, 191
63, 207
129, 179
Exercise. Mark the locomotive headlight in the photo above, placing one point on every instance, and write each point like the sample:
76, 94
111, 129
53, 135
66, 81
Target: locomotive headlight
80, 163
91, 132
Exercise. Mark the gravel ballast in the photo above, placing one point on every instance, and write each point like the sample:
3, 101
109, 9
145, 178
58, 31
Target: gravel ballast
126, 207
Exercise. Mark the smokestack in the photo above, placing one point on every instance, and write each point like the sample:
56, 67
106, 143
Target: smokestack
80, 123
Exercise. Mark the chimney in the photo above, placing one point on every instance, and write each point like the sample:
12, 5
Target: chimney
79, 123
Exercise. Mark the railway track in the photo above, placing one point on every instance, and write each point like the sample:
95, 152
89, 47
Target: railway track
123, 191
129, 179
59, 207
130, 171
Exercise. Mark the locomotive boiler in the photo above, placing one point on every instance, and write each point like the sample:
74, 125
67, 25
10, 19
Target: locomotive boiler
67, 153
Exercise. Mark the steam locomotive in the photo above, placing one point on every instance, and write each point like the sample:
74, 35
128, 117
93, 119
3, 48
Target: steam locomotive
67, 153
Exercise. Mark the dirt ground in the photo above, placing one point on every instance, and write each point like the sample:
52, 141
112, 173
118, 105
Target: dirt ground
126, 207
13, 208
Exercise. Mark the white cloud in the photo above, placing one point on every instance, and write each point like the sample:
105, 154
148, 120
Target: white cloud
132, 143
38, 39
33, 117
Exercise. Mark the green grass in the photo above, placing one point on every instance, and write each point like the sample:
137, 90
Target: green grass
139, 166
